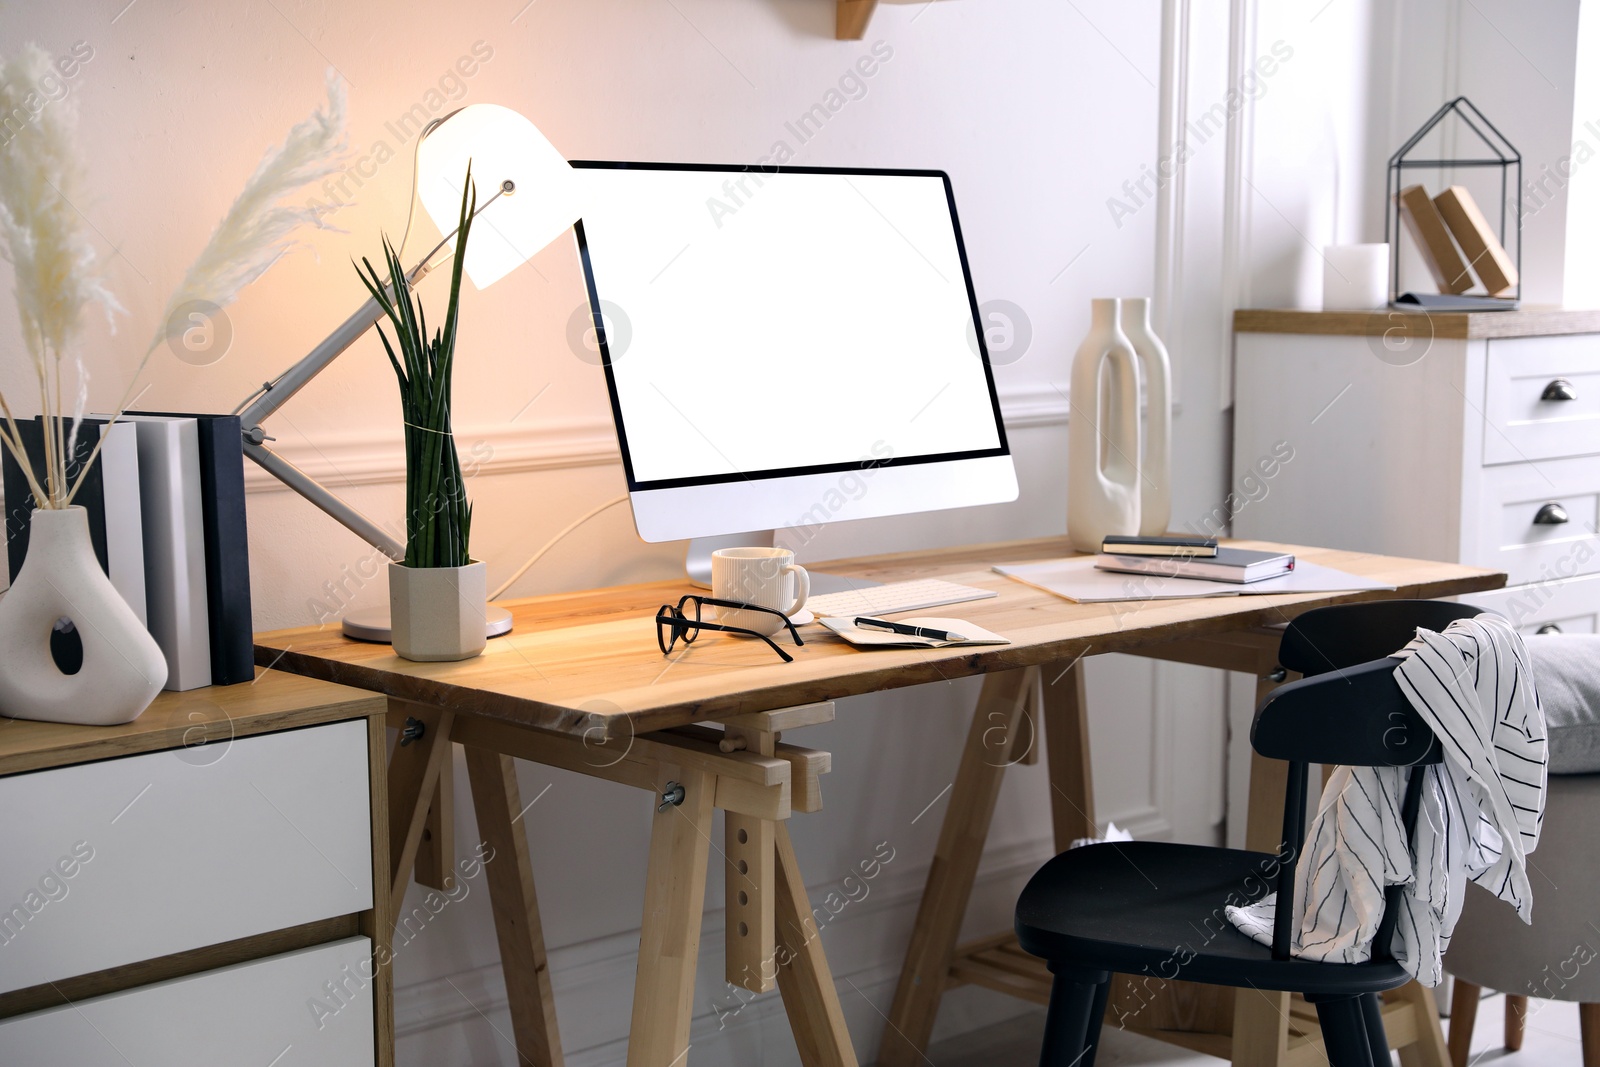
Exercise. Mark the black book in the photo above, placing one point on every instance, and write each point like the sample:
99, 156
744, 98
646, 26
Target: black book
1183, 546
227, 546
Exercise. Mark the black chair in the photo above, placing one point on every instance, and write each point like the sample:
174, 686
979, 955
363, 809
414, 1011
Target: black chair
1157, 909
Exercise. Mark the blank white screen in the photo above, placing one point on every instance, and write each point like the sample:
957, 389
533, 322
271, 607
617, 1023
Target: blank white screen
796, 321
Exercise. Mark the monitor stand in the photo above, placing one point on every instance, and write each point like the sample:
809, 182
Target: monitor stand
697, 562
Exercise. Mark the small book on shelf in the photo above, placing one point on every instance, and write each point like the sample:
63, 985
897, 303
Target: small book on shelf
1240, 565
1483, 249
1427, 227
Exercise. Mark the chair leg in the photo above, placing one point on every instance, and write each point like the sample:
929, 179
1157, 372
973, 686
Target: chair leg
1463, 1014
1067, 1025
1516, 1015
1372, 1020
1097, 1015
1344, 1032
1589, 1024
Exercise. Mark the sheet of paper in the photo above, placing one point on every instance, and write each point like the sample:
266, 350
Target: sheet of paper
1075, 578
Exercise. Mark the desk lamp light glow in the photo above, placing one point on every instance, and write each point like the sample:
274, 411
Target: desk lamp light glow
535, 198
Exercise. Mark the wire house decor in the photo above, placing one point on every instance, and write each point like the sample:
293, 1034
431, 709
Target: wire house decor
1498, 153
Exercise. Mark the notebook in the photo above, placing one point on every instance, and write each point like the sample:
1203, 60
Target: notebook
1228, 565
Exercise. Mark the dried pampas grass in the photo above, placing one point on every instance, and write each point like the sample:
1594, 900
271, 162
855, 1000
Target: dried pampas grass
57, 274
256, 232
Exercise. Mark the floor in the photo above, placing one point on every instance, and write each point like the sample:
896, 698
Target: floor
1551, 1041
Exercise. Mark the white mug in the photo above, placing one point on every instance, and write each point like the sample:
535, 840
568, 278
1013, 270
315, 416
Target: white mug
768, 577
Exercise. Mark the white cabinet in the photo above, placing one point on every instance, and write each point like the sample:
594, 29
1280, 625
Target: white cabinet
1467, 447
197, 887
122, 860
257, 1013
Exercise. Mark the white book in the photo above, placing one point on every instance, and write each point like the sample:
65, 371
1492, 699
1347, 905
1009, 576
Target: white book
175, 546
119, 467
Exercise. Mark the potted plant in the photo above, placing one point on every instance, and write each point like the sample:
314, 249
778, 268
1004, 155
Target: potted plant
438, 596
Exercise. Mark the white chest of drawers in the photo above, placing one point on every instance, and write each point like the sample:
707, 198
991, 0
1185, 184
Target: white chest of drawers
1472, 438
197, 887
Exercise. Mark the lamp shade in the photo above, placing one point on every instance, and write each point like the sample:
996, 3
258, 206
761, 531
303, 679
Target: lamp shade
501, 145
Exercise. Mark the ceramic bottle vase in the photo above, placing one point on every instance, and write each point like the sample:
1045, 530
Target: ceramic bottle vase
122, 668
1103, 433
1155, 381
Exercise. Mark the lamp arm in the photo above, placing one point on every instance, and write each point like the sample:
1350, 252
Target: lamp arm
324, 498
282, 389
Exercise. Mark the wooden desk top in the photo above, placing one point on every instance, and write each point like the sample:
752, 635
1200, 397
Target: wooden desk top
199, 717
587, 662
1523, 322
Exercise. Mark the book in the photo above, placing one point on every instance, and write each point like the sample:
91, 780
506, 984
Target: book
1241, 565
1483, 249
862, 637
109, 493
1186, 546
174, 546
227, 546
1432, 236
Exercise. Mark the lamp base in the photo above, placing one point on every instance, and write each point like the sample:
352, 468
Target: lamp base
373, 624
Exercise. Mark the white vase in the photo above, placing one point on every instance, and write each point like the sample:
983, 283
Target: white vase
1103, 434
438, 614
1155, 381
122, 668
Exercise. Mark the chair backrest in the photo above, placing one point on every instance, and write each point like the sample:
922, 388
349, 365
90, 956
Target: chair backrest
1327, 639
1348, 709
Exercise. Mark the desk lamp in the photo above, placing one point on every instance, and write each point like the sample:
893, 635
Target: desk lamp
535, 197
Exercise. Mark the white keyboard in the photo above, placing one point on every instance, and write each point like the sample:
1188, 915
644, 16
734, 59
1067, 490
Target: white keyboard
893, 597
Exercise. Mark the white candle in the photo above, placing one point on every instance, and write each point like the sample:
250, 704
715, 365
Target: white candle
1355, 277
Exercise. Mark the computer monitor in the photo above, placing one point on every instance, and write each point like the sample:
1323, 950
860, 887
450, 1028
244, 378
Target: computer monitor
788, 346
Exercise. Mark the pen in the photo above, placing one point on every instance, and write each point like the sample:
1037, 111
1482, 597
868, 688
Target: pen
909, 631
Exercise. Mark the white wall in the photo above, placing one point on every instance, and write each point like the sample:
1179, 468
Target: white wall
1040, 111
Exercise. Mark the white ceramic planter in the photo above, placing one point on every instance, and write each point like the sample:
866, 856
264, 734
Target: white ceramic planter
437, 614
123, 668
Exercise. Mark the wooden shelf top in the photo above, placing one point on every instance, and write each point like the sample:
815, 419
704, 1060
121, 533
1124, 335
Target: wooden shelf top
1524, 322
202, 721
587, 662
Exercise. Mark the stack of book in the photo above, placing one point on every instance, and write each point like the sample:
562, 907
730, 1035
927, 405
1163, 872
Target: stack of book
1169, 556
165, 502
1456, 242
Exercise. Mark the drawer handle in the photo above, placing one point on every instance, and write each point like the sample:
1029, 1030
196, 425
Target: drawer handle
1560, 389
1550, 515
1548, 628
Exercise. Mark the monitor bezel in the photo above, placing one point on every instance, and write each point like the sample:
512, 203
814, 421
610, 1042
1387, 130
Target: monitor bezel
634, 485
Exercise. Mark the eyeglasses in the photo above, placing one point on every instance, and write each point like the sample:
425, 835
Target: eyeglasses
673, 623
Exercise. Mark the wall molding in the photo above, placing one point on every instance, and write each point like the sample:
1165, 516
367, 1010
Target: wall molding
345, 461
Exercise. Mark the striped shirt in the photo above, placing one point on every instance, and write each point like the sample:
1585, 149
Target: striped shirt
1481, 810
